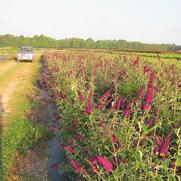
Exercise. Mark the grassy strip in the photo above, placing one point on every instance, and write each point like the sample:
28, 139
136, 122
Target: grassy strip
8, 51
21, 133
8, 74
27, 89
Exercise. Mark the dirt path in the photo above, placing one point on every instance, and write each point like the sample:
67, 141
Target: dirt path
13, 79
15, 75
36, 165
4, 67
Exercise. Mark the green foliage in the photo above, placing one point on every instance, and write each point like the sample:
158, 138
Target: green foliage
138, 149
42, 41
21, 135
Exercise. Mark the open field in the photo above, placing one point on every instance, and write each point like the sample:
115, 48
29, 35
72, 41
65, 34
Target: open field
117, 115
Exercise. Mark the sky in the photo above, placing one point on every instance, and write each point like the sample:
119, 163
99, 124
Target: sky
149, 21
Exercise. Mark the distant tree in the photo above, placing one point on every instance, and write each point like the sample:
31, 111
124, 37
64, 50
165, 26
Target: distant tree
42, 41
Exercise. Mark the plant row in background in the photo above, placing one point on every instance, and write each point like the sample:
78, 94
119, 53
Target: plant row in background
119, 116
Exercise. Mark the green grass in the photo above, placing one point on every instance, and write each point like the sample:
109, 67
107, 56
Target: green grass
166, 55
21, 133
8, 51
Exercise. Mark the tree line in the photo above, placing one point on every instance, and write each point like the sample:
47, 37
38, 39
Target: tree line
42, 41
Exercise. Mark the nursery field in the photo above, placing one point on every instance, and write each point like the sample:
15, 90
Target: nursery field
119, 115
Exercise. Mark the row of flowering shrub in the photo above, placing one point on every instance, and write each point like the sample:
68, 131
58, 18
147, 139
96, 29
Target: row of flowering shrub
118, 115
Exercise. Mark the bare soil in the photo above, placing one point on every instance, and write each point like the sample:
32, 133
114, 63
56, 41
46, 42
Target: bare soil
33, 165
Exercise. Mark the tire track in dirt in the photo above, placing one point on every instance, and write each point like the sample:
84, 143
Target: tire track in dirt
13, 83
34, 165
4, 67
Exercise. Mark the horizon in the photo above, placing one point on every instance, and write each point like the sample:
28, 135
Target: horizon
153, 22
86, 39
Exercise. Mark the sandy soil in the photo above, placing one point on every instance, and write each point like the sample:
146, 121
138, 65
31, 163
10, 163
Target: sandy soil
12, 84
4, 67
33, 166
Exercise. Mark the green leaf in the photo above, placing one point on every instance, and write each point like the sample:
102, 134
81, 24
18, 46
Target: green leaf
138, 158
178, 160
177, 131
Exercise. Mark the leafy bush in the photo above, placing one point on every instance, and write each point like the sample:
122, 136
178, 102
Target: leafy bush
116, 115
